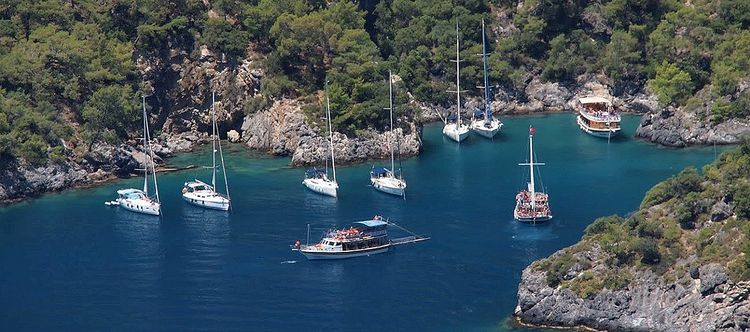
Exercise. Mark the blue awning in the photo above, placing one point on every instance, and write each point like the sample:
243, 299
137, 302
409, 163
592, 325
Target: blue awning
315, 171
372, 223
379, 170
479, 113
452, 117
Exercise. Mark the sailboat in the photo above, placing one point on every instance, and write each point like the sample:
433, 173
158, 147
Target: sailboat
200, 193
484, 123
316, 178
137, 200
532, 206
454, 128
384, 179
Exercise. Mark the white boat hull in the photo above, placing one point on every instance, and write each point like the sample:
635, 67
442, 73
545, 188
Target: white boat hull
389, 185
215, 202
321, 186
602, 133
140, 206
478, 126
455, 132
333, 254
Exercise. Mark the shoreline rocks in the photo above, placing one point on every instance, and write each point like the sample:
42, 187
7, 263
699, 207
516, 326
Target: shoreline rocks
283, 131
679, 128
702, 300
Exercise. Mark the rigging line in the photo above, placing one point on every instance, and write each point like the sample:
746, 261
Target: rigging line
153, 158
221, 155
405, 230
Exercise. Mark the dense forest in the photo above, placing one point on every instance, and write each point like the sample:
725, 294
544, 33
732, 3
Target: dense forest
68, 67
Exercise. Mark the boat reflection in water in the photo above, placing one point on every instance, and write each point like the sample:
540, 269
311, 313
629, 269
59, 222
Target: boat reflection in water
363, 238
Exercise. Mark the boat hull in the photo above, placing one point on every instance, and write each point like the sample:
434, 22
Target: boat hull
484, 131
389, 185
326, 255
606, 133
140, 206
323, 187
456, 133
533, 221
214, 202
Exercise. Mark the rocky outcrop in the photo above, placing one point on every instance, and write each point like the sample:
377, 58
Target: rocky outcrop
20, 180
369, 145
282, 130
679, 128
711, 302
182, 104
104, 161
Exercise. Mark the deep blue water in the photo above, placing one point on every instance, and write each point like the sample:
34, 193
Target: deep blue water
68, 262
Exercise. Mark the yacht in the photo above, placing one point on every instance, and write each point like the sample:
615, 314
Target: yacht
454, 128
597, 117
316, 179
384, 179
363, 238
200, 193
484, 122
532, 206
137, 200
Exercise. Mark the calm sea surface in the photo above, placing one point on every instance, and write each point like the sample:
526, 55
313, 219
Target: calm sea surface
68, 262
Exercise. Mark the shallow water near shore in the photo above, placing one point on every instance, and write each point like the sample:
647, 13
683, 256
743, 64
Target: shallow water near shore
71, 263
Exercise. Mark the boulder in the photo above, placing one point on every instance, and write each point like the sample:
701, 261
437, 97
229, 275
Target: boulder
720, 211
712, 276
233, 136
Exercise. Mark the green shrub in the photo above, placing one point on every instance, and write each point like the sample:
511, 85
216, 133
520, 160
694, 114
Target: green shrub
650, 228
602, 224
741, 197
648, 249
34, 150
688, 180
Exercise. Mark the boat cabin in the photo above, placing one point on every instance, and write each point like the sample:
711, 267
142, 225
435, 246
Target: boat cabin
380, 172
196, 185
598, 117
361, 235
452, 118
133, 194
316, 173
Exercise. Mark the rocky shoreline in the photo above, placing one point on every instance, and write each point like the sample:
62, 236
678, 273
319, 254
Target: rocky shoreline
704, 300
180, 112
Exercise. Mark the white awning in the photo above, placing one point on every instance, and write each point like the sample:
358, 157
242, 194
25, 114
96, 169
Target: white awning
594, 100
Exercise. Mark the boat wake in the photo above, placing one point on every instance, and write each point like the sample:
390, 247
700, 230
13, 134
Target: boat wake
288, 262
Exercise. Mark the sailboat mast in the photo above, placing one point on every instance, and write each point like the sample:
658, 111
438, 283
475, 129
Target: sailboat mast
487, 111
330, 132
531, 169
218, 144
458, 83
145, 146
149, 151
390, 107
213, 139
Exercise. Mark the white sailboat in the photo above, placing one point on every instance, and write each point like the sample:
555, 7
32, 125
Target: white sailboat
200, 193
316, 178
137, 200
454, 128
484, 123
532, 206
382, 178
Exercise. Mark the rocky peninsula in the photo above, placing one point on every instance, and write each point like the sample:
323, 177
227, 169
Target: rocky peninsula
679, 263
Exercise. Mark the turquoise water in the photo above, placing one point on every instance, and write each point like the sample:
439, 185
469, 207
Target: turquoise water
71, 263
